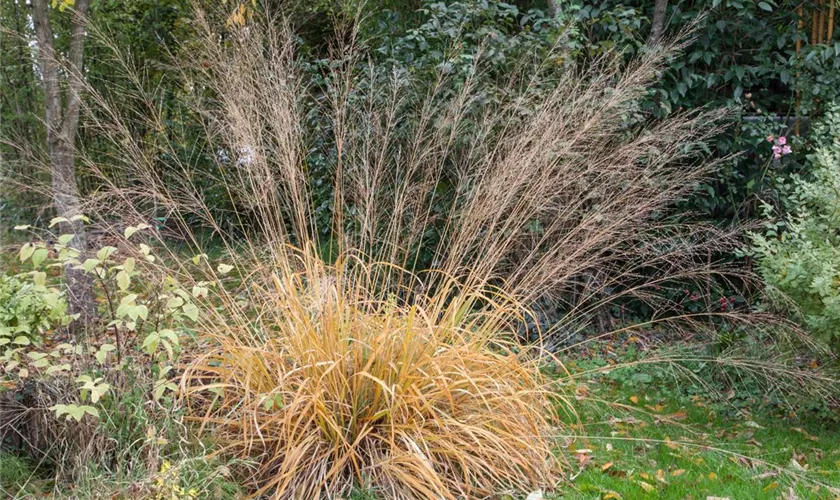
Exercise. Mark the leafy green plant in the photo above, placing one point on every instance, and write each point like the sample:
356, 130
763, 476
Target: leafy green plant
28, 309
138, 307
753, 57
799, 254
453, 35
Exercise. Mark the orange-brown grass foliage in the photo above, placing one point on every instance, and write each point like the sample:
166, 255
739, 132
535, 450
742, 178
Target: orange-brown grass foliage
361, 371
418, 400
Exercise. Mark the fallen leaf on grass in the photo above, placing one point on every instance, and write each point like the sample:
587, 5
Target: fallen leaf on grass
583, 458
805, 433
671, 444
771, 486
646, 486
741, 461
796, 465
660, 476
678, 472
717, 498
616, 473
606, 466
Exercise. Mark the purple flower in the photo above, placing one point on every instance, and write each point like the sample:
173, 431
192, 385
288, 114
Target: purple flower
781, 140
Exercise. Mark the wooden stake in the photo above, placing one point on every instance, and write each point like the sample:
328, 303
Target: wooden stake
799, 24
821, 32
831, 20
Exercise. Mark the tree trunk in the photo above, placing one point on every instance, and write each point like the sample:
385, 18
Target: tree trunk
62, 120
657, 28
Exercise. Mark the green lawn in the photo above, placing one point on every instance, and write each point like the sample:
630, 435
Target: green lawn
659, 442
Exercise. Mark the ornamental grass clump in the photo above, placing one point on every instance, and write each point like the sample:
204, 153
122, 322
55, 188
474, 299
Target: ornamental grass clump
379, 349
332, 388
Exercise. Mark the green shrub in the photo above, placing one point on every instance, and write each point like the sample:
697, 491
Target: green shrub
104, 396
143, 314
27, 310
799, 256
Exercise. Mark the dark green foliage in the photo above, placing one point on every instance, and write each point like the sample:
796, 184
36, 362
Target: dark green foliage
743, 56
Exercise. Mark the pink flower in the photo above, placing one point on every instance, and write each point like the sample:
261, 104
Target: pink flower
780, 148
770, 138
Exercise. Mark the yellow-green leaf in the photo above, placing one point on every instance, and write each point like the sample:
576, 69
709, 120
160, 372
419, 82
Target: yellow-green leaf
26, 251
58, 220
39, 278
105, 252
123, 280
191, 311
39, 256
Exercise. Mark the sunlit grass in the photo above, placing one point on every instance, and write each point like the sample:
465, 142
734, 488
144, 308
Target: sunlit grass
329, 388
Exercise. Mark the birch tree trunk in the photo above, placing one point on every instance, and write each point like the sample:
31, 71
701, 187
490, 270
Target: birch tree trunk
62, 120
657, 28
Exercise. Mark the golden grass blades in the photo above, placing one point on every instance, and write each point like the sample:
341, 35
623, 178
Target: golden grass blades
353, 391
